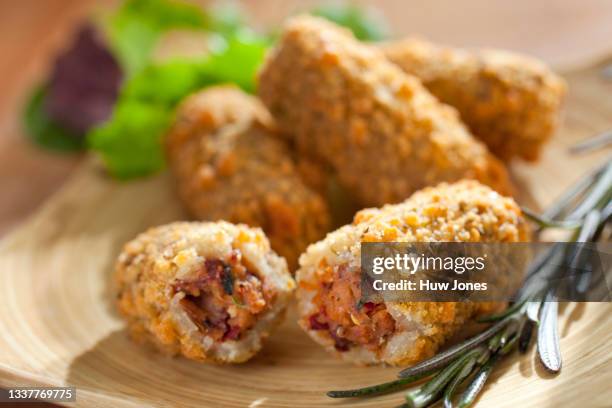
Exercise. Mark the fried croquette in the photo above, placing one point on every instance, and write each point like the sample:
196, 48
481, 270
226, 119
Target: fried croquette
229, 165
398, 333
208, 291
376, 127
510, 102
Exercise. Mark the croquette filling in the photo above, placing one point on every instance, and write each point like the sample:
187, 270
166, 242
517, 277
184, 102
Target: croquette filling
223, 299
340, 313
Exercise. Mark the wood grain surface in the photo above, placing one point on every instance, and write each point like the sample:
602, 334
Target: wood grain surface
59, 326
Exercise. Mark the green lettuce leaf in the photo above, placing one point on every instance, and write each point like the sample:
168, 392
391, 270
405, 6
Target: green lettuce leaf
131, 142
137, 25
237, 60
365, 23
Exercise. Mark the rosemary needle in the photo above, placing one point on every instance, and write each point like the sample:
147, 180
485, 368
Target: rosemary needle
548, 336
471, 392
429, 392
443, 358
598, 196
533, 310
378, 389
568, 198
592, 143
463, 374
525, 335
606, 217
543, 222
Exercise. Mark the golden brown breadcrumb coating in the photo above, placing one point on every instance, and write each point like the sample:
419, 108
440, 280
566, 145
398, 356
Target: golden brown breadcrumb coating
398, 333
229, 165
208, 291
511, 102
377, 127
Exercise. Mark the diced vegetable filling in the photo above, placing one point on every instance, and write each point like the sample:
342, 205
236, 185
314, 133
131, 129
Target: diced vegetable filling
223, 299
344, 317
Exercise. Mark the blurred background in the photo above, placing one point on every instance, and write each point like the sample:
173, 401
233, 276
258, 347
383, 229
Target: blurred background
564, 33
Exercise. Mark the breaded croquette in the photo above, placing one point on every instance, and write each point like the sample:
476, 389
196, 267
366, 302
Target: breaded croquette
378, 128
510, 102
229, 165
398, 333
208, 291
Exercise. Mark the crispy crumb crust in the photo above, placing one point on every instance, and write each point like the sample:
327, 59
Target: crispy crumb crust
511, 102
465, 211
149, 267
377, 127
229, 165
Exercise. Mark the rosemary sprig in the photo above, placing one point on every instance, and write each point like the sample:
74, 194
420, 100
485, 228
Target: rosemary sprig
592, 143
567, 199
587, 208
379, 389
428, 393
444, 358
466, 370
544, 222
509, 311
525, 335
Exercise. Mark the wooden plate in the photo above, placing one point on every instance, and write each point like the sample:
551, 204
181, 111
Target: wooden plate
58, 325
